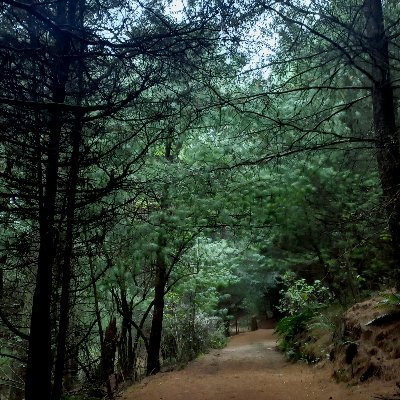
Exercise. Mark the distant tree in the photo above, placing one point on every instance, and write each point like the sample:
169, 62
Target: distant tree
333, 62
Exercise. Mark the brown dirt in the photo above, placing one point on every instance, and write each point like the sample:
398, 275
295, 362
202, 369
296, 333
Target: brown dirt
250, 368
369, 351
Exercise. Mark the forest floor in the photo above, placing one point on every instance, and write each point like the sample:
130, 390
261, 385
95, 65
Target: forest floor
250, 368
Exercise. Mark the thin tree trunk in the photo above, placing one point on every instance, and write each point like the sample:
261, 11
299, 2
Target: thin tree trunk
67, 265
153, 351
130, 362
125, 347
386, 133
103, 366
162, 273
140, 335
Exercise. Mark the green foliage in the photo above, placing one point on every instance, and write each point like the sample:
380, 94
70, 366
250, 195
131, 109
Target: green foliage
187, 335
288, 327
390, 300
193, 319
310, 334
193, 173
329, 214
288, 330
218, 339
307, 318
391, 304
299, 295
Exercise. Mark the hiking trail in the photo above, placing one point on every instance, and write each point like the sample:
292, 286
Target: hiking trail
250, 368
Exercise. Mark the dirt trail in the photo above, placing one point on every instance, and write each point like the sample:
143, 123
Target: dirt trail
249, 368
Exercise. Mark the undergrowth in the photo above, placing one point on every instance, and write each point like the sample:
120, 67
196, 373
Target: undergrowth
307, 330
391, 307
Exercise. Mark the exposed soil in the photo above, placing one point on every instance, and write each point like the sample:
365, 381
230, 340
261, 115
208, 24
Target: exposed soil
250, 368
369, 351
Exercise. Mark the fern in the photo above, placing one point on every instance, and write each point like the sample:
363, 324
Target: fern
390, 299
289, 327
390, 303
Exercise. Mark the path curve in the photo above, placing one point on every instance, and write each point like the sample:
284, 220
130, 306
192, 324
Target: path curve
249, 368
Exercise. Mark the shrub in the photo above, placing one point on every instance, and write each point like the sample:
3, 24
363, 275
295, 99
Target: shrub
300, 295
218, 339
289, 329
185, 336
300, 330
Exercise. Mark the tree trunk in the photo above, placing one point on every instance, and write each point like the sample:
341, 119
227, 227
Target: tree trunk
39, 366
153, 351
103, 362
130, 361
67, 265
161, 280
386, 133
73, 176
125, 347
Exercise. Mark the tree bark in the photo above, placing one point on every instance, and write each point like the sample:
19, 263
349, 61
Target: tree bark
161, 280
39, 366
103, 362
153, 351
125, 347
38, 376
67, 264
384, 118
73, 176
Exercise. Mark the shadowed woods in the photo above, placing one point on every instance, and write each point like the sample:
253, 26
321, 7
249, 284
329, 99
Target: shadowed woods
166, 172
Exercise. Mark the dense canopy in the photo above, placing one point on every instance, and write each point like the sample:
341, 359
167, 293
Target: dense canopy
169, 167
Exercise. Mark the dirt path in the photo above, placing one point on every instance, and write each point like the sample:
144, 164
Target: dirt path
249, 368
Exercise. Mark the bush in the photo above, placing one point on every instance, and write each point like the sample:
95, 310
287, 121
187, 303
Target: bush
299, 295
304, 324
310, 334
218, 339
289, 329
185, 336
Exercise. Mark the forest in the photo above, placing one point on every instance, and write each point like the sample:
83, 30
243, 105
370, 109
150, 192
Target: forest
169, 168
